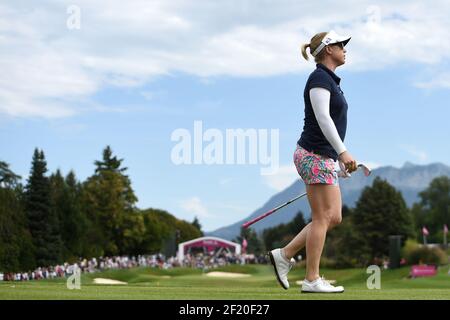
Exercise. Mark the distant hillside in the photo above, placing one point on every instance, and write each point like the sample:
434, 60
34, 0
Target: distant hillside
409, 179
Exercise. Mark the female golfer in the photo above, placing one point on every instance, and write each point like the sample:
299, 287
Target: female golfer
319, 147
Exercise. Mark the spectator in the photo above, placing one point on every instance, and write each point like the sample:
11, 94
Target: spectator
202, 261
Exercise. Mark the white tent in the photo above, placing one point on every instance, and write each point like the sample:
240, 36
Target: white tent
208, 244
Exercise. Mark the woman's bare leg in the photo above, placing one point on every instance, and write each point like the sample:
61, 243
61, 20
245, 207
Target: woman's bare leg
297, 243
326, 205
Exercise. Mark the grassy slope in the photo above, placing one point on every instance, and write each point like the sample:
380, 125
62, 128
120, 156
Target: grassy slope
193, 284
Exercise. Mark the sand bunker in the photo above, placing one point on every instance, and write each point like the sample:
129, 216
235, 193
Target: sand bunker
227, 274
107, 281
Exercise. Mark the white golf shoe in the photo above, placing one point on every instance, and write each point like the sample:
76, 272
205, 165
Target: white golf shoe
281, 266
320, 285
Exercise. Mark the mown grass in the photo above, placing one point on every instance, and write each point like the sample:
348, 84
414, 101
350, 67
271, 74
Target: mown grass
192, 284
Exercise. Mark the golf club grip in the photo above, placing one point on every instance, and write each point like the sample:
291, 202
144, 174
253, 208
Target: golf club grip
249, 223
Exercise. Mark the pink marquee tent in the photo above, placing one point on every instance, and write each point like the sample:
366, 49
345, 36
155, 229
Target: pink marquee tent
208, 244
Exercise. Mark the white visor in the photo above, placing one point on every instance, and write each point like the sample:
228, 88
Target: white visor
330, 38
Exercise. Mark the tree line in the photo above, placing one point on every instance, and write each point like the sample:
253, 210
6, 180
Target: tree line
363, 236
55, 218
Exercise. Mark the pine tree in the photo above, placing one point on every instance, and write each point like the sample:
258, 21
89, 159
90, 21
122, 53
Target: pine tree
42, 220
296, 224
65, 195
345, 244
16, 252
7, 177
197, 224
433, 209
109, 202
380, 212
109, 163
255, 245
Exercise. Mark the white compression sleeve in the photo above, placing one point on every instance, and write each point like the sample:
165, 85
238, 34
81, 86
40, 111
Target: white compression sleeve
320, 101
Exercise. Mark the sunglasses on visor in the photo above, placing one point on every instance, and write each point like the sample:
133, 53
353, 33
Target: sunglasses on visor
340, 44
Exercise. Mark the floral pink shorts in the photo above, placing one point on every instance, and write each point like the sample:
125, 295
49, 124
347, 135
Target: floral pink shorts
314, 168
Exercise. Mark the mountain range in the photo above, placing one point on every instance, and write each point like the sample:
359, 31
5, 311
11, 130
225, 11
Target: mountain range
410, 180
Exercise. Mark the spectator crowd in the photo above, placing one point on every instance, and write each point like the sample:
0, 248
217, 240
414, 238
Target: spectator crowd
204, 261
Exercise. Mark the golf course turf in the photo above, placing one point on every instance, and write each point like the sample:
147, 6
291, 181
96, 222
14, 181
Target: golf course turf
193, 284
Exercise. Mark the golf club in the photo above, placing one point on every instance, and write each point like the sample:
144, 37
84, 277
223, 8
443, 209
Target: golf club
341, 173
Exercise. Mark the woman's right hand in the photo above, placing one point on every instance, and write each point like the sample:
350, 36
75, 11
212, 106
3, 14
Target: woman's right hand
347, 160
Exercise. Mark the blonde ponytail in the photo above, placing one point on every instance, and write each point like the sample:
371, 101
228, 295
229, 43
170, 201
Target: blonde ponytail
304, 46
312, 45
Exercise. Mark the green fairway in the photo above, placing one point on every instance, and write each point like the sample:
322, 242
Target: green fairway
181, 283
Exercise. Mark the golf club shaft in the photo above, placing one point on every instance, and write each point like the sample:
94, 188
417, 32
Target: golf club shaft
367, 172
249, 223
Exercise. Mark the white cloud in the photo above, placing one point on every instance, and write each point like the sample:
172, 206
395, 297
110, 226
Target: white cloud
415, 152
283, 178
438, 80
47, 68
195, 206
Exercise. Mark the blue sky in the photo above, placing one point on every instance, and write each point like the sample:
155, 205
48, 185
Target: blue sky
131, 76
